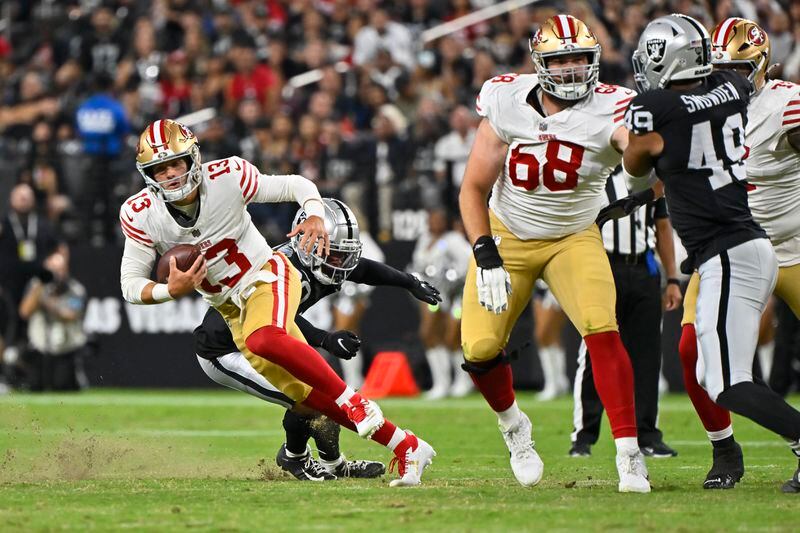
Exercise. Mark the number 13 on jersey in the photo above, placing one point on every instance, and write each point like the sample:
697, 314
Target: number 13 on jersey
557, 170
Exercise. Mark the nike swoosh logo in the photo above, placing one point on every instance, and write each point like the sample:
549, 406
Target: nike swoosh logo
130, 218
238, 166
479, 246
635, 107
339, 341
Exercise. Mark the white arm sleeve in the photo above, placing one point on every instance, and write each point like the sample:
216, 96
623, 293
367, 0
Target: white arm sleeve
134, 272
638, 183
288, 188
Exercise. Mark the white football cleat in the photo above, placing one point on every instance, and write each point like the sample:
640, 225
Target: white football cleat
412, 463
365, 414
633, 476
525, 462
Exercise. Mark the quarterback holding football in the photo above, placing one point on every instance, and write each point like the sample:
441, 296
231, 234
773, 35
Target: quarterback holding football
256, 290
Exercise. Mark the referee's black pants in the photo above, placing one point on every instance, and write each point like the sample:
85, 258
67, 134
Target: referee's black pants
639, 318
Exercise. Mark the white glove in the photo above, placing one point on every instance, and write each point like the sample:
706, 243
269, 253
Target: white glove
494, 288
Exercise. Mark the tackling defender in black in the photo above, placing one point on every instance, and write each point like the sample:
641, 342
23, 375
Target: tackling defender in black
688, 124
321, 277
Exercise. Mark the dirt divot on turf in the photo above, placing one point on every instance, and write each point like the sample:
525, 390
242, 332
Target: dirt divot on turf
86, 455
266, 471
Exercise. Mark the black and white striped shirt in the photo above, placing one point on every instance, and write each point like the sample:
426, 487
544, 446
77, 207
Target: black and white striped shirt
634, 234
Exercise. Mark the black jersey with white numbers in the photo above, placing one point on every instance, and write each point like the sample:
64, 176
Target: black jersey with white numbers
702, 163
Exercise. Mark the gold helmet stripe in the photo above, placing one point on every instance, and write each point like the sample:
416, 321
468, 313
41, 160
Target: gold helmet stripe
724, 31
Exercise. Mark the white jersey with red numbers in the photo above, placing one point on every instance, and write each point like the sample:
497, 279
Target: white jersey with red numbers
234, 249
553, 180
773, 166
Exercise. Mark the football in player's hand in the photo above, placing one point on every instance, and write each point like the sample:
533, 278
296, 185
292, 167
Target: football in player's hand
185, 256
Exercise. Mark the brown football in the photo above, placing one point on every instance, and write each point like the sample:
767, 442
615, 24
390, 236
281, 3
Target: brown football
185, 256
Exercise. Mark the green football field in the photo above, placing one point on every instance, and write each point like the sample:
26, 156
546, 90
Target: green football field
204, 461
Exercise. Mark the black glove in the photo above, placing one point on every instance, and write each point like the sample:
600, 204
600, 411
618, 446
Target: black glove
343, 344
624, 206
424, 291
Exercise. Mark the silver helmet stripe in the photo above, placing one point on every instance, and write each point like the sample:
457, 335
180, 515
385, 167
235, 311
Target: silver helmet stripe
702, 33
346, 218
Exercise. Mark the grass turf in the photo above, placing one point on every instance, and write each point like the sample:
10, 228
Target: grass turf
152, 460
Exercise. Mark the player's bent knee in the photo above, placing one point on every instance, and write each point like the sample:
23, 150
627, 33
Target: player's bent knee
713, 387
597, 319
482, 350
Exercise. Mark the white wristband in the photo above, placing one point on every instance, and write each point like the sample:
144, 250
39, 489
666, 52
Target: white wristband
314, 207
160, 293
638, 183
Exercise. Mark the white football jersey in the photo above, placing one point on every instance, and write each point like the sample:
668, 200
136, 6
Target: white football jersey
235, 251
773, 165
553, 179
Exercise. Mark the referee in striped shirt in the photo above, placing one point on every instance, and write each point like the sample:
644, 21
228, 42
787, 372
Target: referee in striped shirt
630, 243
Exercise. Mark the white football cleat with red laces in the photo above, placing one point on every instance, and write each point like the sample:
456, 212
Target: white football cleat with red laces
411, 462
365, 414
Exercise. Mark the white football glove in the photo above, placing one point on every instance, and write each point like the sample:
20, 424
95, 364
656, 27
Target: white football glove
494, 288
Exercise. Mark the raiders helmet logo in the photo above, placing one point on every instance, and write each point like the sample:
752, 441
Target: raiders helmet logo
655, 49
756, 36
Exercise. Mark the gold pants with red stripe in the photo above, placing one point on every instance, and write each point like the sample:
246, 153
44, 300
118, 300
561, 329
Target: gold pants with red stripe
576, 269
787, 289
271, 304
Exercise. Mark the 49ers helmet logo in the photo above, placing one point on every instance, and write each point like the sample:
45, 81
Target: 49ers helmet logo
756, 36
537, 37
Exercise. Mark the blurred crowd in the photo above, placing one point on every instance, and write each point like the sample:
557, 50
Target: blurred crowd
383, 120
356, 95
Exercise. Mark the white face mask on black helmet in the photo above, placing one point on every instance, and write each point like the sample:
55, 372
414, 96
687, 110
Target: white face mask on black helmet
345, 243
671, 48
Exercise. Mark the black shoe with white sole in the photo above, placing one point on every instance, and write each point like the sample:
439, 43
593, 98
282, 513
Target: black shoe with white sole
728, 468
304, 468
658, 450
580, 449
793, 485
358, 469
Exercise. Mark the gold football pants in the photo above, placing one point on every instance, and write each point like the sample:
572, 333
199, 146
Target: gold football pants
575, 268
271, 304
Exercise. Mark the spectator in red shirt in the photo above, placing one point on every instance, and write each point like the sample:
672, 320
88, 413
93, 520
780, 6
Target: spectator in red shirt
176, 88
251, 78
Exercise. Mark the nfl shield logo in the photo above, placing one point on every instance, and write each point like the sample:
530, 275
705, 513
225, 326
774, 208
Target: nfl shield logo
655, 49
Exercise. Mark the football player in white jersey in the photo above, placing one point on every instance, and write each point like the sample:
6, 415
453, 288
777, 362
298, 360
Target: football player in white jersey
256, 290
544, 149
773, 172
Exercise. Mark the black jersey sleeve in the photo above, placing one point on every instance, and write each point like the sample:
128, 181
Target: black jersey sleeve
212, 338
314, 336
376, 273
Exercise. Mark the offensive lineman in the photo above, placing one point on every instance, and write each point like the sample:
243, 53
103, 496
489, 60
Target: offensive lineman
690, 126
256, 291
222, 362
772, 166
544, 149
